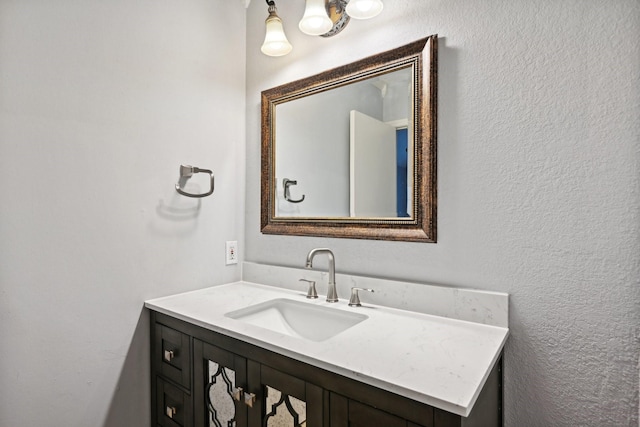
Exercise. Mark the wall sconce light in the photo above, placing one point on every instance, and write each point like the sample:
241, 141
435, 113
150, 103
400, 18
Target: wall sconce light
323, 18
315, 21
364, 9
275, 41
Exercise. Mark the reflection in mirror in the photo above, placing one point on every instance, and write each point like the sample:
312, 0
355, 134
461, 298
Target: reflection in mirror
351, 152
347, 149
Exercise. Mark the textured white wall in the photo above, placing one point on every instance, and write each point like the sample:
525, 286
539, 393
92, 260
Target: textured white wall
100, 102
539, 191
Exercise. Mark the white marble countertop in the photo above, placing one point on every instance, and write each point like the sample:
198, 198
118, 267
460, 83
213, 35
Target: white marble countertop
436, 360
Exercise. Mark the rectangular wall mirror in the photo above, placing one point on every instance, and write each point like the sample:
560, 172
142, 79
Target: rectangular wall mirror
351, 152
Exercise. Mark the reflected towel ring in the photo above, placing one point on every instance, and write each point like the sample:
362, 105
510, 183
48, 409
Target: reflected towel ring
186, 172
286, 183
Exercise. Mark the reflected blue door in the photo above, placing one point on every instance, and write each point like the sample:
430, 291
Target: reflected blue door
401, 180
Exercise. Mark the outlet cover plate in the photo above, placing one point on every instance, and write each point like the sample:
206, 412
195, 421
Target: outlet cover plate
231, 252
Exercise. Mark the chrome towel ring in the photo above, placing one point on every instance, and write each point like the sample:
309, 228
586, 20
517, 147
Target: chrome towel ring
186, 172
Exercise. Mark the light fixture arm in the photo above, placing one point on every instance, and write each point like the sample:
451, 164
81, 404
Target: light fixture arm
339, 16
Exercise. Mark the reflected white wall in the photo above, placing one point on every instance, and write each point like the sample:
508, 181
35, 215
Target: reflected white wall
312, 147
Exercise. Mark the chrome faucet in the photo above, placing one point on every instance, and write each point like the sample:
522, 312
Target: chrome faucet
332, 294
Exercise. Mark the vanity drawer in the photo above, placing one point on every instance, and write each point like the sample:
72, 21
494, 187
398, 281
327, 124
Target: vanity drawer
173, 406
173, 355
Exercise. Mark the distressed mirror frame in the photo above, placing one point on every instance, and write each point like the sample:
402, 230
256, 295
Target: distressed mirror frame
421, 226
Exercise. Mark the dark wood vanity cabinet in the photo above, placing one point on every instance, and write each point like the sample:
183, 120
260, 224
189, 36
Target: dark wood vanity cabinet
199, 375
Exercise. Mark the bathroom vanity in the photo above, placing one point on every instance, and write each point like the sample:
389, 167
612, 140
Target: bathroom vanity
224, 356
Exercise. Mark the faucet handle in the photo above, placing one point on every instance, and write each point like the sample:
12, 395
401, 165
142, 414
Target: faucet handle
311, 293
354, 301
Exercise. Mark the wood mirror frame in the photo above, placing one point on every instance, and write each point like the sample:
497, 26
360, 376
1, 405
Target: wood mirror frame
421, 55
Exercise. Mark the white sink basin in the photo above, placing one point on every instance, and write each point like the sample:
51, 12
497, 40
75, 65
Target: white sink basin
298, 319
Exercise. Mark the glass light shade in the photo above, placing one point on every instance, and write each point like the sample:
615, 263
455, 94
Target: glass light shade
364, 9
315, 21
275, 41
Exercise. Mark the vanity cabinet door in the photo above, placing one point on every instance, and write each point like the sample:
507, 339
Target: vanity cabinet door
351, 413
231, 391
283, 400
219, 381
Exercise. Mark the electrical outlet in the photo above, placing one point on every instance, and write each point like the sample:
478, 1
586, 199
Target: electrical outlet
231, 253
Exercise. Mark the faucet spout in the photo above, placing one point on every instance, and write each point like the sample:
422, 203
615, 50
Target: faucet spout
332, 294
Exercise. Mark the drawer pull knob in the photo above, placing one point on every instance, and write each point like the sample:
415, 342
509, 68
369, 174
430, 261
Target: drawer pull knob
238, 394
168, 355
170, 411
249, 399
